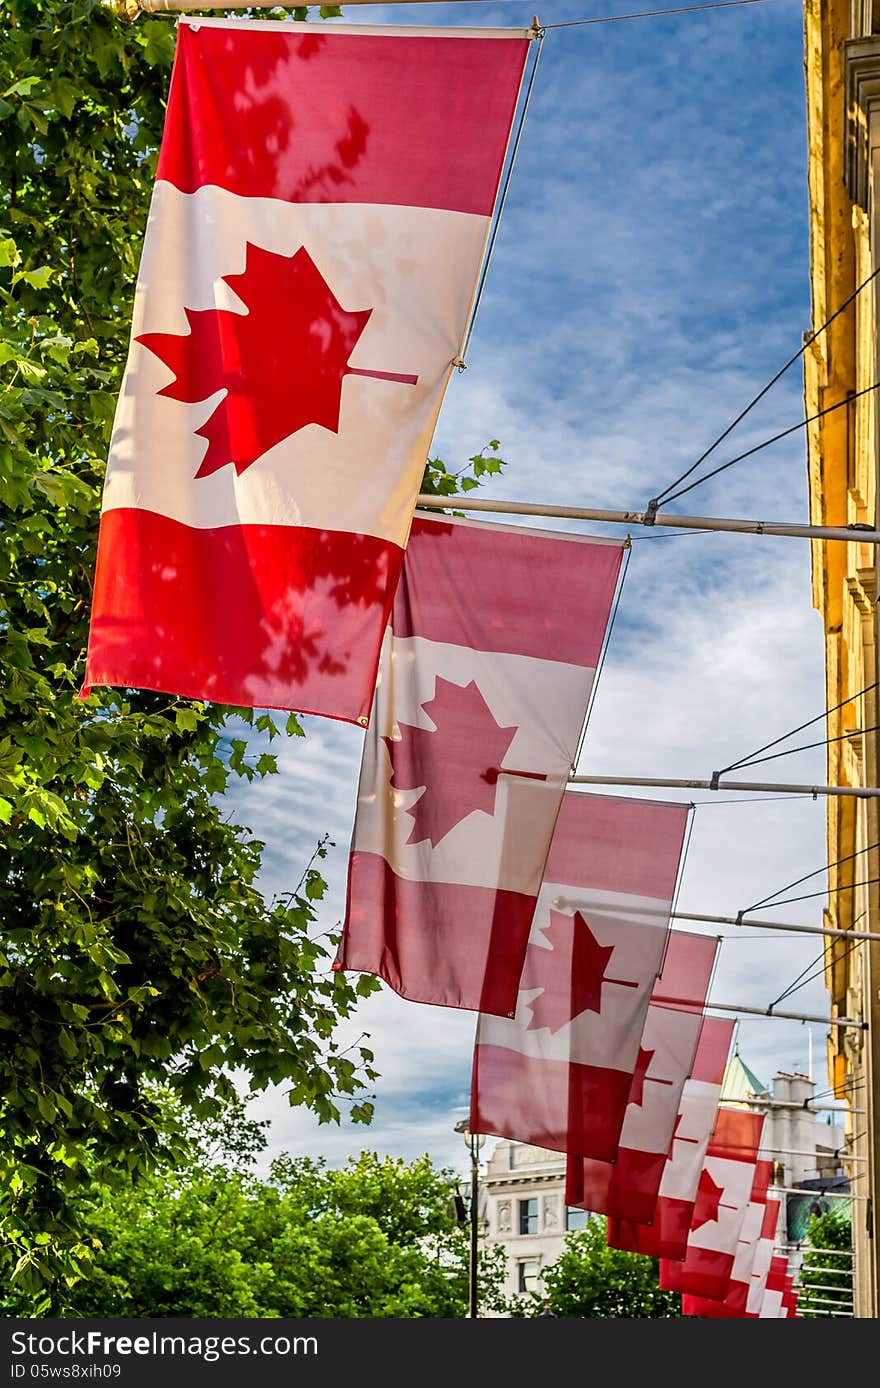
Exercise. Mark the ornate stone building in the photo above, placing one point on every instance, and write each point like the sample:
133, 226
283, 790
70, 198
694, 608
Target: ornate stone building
842, 65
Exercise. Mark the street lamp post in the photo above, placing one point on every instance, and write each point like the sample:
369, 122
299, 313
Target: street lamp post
473, 1142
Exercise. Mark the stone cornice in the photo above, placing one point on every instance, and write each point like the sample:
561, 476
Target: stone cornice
862, 97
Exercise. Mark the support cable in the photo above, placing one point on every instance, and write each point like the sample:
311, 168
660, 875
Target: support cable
806, 877
602, 655
461, 360
801, 981
811, 338
648, 14
749, 452
751, 756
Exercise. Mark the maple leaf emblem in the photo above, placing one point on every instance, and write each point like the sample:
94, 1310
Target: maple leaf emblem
281, 364
455, 764
708, 1200
571, 973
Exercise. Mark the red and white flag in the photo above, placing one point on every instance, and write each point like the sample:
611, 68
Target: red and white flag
773, 1301
734, 1304
318, 222
724, 1192
770, 1228
666, 1234
486, 673
628, 1186
559, 1073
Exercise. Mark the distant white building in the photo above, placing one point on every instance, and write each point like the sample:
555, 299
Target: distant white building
522, 1188
523, 1209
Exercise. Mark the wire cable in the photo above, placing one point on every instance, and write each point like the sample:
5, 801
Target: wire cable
807, 875
761, 393
783, 433
745, 761
603, 653
805, 747
649, 14
461, 359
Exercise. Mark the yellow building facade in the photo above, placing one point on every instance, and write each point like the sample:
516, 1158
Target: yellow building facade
842, 69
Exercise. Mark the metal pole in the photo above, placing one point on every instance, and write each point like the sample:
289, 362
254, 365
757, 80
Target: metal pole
168, 6
806, 1107
861, 792
864, 534
791, 1016
475, 1191
774, 925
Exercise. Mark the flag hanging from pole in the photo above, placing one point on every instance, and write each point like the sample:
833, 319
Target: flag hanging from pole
559, 1073
734, 1303
628, 1186
666, 1234
770, 1228
725, 1187
486, 672
318, 222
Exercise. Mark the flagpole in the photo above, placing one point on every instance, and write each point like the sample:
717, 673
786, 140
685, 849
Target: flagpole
783, 788
789, 1016
864, 534
775, 925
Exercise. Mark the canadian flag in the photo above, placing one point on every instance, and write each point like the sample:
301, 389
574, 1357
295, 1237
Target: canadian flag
773, 1305
665, 1235
724, 1192
483, 687
318, 222
770, 1227
559, 1073
734, 1303
627, 1187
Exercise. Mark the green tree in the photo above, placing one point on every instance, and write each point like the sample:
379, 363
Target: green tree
825, 1278
137, 952
377, 1238
593, 1281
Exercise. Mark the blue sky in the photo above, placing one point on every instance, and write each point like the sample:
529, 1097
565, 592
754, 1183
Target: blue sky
650, 275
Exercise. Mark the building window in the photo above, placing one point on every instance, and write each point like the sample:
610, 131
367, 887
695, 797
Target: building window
575, 1218
528, 1216
527, 1274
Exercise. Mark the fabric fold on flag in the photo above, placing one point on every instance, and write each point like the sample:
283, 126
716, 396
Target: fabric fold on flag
628, 1186
770, 1230
665, 1236
486, 672
318, 222
559, 1073
734, 1303
724, 1192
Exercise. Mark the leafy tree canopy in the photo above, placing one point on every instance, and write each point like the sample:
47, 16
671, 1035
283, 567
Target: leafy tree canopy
377, 1238
593, 1281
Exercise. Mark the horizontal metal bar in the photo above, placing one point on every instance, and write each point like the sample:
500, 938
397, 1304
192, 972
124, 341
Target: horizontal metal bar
864, 534
806, 1107
806, 1250
817, 1194
778, 787
790, 1016
775, 925
822, 1300
792, 1152
835, 1315
830, 1272
168, 6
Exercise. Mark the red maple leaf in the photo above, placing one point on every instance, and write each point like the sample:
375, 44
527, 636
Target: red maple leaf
571, 973
637, 1088
456, 763
708, 1200
281, 364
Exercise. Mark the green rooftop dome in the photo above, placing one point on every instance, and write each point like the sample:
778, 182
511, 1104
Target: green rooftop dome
739, 1082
